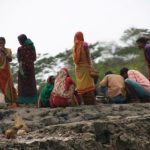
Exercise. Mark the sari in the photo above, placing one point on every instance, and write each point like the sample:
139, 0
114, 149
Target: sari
139, 90
46, 92
83, 67
63, 92
138, 77
147, 58
6, 81
27, 91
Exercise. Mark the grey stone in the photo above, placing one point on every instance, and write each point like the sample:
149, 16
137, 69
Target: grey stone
99, 127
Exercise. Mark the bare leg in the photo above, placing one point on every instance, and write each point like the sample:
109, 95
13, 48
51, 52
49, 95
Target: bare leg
89, 98
81, 99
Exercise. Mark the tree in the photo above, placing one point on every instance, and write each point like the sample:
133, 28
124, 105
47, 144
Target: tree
130, 35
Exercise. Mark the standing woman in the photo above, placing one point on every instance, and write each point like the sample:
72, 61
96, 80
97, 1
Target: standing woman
83, 67
143, 44
26, 54
6, 82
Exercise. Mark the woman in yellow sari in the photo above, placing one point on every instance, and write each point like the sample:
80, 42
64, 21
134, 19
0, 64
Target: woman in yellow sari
6, 83
83, 67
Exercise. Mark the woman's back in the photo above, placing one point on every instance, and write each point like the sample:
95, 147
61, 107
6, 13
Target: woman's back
84, 54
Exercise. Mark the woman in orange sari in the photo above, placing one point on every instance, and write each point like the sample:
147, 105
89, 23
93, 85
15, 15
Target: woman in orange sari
6, 82
83, 67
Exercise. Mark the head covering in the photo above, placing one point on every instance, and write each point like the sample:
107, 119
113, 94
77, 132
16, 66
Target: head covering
3, 39
78, 45
62, 82
66, 70
50, 79
79, 36
46, 91
22, 38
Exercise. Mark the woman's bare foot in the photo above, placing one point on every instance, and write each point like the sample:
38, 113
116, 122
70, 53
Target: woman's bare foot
13, 105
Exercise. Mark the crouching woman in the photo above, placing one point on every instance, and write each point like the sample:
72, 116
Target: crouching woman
44, 97
63, 92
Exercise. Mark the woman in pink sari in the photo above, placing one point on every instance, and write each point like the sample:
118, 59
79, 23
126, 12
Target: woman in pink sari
6, 82
63, 92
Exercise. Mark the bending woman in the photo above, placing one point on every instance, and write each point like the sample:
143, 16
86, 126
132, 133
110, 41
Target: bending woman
46, 92
81, 57
138, 86
6, 82
63, 92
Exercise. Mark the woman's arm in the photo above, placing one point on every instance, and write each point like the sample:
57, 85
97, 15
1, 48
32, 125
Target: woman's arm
7, 53
88, 55
9, 56
104, 82
147, 52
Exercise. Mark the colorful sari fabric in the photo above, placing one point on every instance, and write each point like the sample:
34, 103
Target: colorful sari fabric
27, 92
139, 89
46, 92
63, 92
6, 82
81, 57
147, 58
139, 78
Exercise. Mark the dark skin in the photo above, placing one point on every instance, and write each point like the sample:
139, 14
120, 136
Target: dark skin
125, 75
141, 45
2, 50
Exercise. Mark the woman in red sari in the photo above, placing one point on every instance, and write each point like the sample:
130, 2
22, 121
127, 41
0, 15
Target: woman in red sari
63, 92
6, 82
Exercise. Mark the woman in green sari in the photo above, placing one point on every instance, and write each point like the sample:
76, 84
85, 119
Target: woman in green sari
44, 98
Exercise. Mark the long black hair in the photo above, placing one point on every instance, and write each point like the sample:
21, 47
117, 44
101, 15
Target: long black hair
3, 39
142, 40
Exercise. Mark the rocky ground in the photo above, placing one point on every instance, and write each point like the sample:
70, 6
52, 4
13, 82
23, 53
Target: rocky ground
99, 127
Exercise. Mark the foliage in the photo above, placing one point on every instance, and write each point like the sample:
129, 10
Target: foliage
127, 50
97, 49
130, 35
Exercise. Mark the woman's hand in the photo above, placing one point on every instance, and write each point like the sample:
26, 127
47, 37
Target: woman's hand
2, 50
9, 58
2, 53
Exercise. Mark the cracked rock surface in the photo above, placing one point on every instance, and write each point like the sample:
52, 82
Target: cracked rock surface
99, 127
